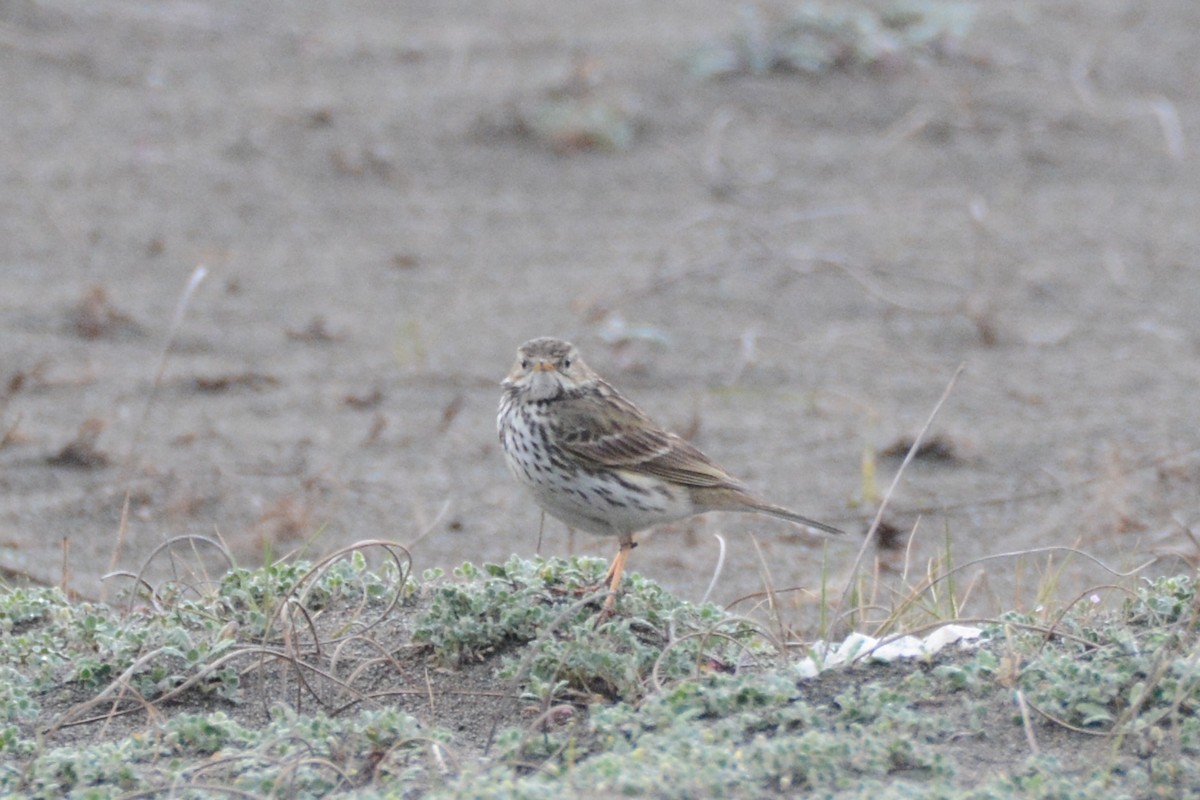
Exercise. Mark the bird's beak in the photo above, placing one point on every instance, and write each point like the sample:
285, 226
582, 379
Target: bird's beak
543, 366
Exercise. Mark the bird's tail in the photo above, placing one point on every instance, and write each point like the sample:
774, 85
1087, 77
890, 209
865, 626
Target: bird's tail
792, 516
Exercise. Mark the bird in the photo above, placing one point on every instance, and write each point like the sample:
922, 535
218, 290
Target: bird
597, 462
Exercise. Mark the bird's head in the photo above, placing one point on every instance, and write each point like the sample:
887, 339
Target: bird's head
546, 368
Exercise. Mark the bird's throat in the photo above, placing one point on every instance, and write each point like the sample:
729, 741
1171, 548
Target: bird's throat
543, 386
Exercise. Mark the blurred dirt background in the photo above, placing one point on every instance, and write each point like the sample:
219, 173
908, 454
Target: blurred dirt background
788, 268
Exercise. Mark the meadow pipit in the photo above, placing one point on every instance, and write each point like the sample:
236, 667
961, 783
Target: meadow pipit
595, 460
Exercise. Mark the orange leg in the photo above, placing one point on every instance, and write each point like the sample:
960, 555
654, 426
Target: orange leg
613, 579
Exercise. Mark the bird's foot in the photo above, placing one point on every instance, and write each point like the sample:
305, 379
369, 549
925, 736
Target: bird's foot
607, 611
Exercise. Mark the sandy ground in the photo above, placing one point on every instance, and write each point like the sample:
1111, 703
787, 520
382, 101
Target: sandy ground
787, 268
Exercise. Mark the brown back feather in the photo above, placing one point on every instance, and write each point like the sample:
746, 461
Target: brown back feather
608, 431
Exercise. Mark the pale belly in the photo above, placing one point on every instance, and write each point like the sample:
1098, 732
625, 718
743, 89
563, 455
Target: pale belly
625, 503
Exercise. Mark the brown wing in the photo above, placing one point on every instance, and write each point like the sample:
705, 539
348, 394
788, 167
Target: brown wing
605, 430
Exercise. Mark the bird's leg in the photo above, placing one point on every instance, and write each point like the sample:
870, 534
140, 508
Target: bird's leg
613, 579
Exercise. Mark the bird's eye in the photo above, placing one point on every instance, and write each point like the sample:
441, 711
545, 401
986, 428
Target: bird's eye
566, 362
524, 363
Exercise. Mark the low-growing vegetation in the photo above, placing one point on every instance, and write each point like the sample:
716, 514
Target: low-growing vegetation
501, 680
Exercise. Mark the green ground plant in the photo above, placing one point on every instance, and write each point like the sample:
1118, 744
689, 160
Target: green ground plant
231, 691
